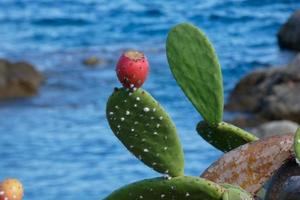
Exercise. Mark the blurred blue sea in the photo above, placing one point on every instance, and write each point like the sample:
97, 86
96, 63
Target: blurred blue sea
59, 143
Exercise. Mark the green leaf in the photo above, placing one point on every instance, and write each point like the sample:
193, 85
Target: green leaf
195, 67
224, 136
146, 130
297, 144
179, 188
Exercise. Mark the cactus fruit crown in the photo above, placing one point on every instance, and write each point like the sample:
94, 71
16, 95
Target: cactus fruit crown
148, 132
134, 55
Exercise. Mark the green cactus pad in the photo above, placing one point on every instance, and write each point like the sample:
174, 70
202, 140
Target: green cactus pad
195, 67
179, 188
224, 136
236, 193
297, 144
146, 130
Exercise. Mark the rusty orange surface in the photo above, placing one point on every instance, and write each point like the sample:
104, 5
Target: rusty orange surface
252, 164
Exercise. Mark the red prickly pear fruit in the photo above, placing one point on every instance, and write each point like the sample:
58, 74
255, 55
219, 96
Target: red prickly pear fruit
11, 189
132, 69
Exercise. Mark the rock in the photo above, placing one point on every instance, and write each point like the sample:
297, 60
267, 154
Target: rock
289, 34
271, 93
287, 175
92, 61
274, 128
291, 189
19, 79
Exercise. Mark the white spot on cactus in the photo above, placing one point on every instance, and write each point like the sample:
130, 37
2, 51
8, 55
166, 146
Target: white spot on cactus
146, 150
125, 101
130, 93
127, 112
154, 109
138, 98
117, 107
135, 105
154, 163
143, 140
132, 130
155, 133
111, 113
165, 148
162, 195
157, 125
298, 140
157, 155
136, 122
161, 118
147, 124
122, 118
187, 194
131, 146
146, 109
151, 117
119, 126
168, 177
141, 197
134, 89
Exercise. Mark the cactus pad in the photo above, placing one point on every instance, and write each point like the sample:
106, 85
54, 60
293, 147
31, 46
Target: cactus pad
235, 193
224, 136
297, 144
146, 130
179, 188
195, 66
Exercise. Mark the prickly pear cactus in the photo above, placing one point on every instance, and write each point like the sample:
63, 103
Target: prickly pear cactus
297, 144
178, 188
235, 193
146, 130
224, 136
195, 66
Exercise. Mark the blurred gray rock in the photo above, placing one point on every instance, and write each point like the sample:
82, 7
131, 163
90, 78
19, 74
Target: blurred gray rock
289, 34
274, 128
92, 61
19, 79
291, 189
284, 184
272, 93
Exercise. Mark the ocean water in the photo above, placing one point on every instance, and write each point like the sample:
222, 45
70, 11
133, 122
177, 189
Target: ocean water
59, 143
